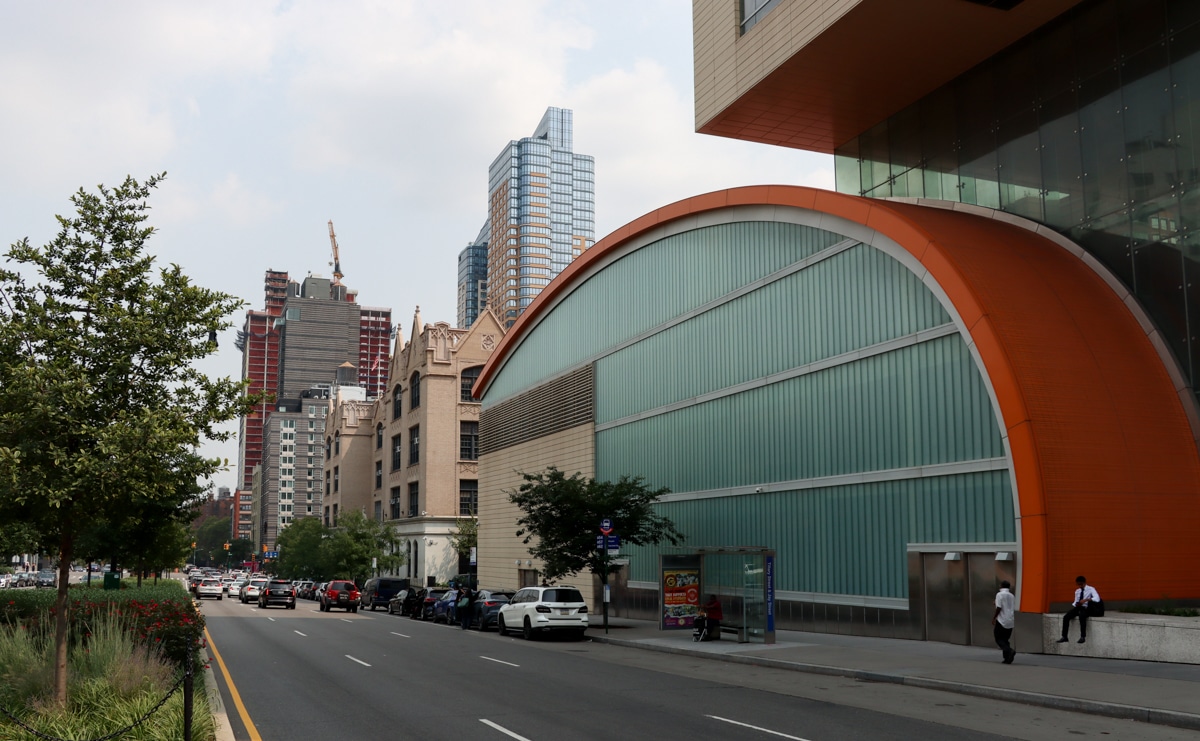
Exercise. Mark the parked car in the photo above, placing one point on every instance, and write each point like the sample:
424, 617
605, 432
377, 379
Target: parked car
209, 587
534, 610
303, 588
424, 602
443, 608
277, 592
46, 579
319, 591
252, 589
403, 601
341, 594
487, 607
378, 592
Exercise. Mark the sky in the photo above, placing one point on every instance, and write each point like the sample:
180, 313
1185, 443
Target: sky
273, 118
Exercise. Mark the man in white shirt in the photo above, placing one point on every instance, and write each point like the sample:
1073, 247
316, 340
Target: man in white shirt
1086, 600
1003, 621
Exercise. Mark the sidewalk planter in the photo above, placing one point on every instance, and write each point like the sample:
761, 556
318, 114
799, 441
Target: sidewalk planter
1128, 636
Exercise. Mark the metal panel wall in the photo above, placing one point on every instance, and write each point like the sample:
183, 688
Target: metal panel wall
852, 300
845, 539
918, 405
645, 288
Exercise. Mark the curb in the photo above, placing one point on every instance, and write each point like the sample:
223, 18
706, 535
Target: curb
222, 729
1156, 716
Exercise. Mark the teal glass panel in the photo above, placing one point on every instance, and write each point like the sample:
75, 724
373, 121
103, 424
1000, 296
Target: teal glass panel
648, 287
852, 300
918, 405
848, 539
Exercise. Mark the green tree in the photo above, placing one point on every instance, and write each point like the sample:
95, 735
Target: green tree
465, 535
16, 538
101, 405
562, 519
211, 539
240, 550
355, 542
301, 550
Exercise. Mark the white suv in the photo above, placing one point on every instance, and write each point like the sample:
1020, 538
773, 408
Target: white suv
542, 609
208, 587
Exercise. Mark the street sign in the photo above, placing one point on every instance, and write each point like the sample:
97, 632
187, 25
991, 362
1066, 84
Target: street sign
608, 542
606, 526
271, 554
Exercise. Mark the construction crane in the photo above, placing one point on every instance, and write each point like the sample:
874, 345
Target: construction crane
337, 263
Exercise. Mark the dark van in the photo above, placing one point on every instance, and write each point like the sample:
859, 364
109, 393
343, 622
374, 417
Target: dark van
377, 592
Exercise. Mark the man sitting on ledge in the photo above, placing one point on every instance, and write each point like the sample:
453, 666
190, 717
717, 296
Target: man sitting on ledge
1087, 603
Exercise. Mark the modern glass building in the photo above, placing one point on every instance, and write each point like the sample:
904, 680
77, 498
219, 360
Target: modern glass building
472, 279
541, 213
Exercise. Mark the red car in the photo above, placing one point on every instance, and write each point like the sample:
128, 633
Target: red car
340, 594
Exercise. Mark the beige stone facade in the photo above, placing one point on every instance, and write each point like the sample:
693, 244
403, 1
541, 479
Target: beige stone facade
423, 445
349, 435
504, 560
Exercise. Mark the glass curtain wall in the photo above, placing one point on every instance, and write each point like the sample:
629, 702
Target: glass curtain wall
1091, 126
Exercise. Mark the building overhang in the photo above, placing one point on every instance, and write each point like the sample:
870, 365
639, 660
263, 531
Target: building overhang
813, 74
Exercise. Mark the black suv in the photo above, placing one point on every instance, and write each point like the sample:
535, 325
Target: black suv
277, 592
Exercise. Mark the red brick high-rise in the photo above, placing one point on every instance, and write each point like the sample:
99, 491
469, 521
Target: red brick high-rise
259, 342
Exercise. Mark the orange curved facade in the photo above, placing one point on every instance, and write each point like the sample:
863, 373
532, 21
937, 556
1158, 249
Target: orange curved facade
1105, 467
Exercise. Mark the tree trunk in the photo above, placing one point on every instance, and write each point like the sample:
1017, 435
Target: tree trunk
140, 569
60, 619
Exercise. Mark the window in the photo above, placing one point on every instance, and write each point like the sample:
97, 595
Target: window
469, 376
379, 436
414, 499
378, 511
397, 398
378, 474
468, 498
468, 441
328, 447
336, 477
415, 392
337, 443
397, 452
395, 502
326, 483
414, 445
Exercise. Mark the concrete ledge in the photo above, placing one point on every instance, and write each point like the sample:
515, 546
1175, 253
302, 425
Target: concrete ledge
1128, 635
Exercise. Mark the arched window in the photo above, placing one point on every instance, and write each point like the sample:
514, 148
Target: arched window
468, 379
379, 436
328, 447
415, 392
397, 398
337, 443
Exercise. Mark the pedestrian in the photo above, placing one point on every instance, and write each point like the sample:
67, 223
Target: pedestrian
466, 609
1087, 602
713, 615
1003, 620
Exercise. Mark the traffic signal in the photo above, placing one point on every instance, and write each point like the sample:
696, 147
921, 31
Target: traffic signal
226, 546
193, 544
264, 548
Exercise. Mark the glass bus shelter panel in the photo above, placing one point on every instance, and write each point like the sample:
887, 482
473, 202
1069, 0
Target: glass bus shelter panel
743, 581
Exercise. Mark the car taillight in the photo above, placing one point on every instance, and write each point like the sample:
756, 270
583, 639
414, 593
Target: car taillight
490, 604
583, 609
542, 608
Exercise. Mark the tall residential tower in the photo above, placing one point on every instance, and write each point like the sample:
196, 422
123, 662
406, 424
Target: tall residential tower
541, 213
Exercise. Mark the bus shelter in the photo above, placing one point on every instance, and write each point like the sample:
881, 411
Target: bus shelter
742, 579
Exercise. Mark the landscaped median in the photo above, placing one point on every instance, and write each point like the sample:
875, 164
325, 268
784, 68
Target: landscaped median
128, 652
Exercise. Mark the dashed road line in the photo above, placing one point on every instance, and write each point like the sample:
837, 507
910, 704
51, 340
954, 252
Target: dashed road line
756, 728
502, 729
346, 620
401, 635
300, 634
498, 661
348, 656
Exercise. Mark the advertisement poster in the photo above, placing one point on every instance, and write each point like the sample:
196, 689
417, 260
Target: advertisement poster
681, 597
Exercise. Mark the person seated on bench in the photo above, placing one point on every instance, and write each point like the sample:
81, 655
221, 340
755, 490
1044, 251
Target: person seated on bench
711, 610
1087, 603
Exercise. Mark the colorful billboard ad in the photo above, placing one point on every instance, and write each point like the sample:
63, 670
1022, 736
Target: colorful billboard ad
681, 597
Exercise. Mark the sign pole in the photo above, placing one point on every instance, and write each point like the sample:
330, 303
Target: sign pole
606, 529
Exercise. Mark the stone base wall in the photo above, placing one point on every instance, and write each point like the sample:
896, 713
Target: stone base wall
1127, 635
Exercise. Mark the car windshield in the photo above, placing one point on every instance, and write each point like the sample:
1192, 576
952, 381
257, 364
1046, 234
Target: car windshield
562, 595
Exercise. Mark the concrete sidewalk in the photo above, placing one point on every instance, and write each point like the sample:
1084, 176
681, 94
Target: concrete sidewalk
1152, 692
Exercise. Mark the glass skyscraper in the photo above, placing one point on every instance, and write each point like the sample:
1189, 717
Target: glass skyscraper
472, 279
541, 213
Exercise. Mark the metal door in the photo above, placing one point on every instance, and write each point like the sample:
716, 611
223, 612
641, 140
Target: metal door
946, 614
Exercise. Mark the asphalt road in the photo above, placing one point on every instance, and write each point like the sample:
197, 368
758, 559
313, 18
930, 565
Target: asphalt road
303, 674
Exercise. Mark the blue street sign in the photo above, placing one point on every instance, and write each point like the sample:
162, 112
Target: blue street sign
271, 554
606, 526
608, 542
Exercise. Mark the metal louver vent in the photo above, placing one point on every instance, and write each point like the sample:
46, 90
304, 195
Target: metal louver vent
558, 404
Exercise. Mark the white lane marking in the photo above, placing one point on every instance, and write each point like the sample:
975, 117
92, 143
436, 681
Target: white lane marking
314, 610
271, 619
300, 634
346, 620
401, 635
348, 656
498, 661
756, 728
502, 729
